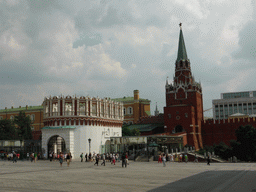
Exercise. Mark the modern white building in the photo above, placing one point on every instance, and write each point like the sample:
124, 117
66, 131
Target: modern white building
235, 102
80, 124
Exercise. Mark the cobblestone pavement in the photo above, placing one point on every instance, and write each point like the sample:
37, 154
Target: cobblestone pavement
138, 176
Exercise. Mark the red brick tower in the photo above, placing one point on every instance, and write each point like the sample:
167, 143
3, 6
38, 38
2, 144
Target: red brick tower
184, 102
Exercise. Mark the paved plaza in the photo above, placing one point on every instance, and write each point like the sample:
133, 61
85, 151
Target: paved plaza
138, 176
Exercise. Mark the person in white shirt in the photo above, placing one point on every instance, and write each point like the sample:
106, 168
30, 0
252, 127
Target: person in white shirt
164, 160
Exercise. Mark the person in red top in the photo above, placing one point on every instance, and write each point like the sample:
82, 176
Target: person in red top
160, 158
126, 158
18, 155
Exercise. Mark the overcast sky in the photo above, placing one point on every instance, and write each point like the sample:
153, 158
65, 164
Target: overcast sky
110, 48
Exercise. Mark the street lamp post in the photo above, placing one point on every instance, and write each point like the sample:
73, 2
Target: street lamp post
89, 140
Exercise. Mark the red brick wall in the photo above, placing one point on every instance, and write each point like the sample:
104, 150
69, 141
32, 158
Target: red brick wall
223, 131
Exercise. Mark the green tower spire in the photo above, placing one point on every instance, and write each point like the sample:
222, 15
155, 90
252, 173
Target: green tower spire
182, 53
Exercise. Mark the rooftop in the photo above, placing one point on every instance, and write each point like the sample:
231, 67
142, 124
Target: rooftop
21, 109
127, 99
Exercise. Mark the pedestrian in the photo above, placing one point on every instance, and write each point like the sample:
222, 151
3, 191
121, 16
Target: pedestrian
81, 156
160, 158
208, 160
61, 158
172, 158
97, 159
32, 157
103, 160
85, 157
164, 160
14, 157
50, 157
28, 156
114, 159
124, 160
110, 157
68, 158
117, 157
167, 157
107, 156
196, 159
186, 158
180, 157
35, 157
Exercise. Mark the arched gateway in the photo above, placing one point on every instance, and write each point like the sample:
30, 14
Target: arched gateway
56, 144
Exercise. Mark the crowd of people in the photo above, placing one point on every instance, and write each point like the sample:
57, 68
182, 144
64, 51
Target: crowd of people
162, 158
106, 157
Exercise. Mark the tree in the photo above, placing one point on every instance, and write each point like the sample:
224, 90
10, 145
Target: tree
126, 131
223, 150
135, 132
24, 126
7, 130
245, 146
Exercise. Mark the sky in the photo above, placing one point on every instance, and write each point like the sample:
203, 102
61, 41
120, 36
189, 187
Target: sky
110, 48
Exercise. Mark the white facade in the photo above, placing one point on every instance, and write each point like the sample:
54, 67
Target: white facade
76, 139
232, 103
76, 119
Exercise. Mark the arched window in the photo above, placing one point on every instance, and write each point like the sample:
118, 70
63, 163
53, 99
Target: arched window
181, 64
32, 117
130, 111
124, 111
186, 63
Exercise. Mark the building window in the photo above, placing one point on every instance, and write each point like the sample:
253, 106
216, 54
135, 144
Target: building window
170, 116
124, 111
130, 123
186, 115
130, 110
32, 117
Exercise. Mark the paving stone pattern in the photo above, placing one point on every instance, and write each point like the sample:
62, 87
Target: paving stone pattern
138, 176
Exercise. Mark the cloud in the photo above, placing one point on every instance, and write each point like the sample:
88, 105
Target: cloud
110, 48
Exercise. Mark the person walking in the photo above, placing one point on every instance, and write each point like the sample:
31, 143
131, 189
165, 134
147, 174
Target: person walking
50, 157
97, 160
81, 156
68, 158
107, 156
160, 158
35, 157
124, 160
180, 158
196, 159
172, 158
103, 160
61, 158
186, 158
90, 157
164, 160
114, 159
86, 157
14, 157
208, 160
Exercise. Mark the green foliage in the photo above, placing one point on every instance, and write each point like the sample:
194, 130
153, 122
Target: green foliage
127, 132
24, 126
223, 150
7, 130
245, 146
135, 132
